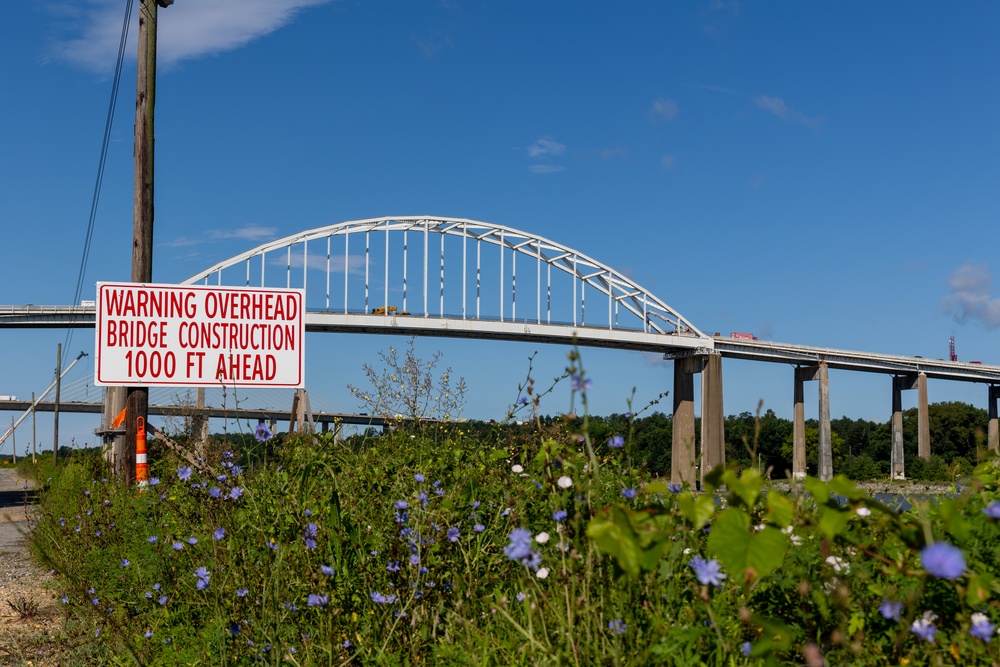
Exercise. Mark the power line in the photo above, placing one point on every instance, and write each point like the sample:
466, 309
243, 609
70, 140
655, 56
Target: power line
109, 122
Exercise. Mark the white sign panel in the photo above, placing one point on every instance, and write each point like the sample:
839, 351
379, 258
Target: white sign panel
190, 336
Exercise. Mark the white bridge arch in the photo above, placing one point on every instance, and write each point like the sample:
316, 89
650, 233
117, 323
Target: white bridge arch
457, 277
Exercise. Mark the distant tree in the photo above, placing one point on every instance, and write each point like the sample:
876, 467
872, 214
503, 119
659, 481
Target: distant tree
933, 469
860, 468
409, 387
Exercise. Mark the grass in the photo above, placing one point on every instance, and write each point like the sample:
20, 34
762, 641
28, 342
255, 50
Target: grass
434, 546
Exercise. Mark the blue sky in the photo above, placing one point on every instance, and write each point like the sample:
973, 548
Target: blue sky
816, 173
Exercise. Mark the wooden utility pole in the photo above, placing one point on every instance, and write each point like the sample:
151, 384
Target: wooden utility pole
55, 413
137, 398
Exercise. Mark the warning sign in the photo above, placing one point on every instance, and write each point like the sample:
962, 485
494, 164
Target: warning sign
183, 336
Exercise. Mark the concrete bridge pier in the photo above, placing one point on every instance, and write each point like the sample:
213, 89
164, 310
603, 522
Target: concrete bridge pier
993, 432
819, 372
682, 456
684, 462
899, 383
713, 420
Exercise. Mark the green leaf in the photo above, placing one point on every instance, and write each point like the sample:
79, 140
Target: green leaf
696, 509
746, 487
833, 520
715, 478
614, 534
856, 624
744, 552
978, 592
657, 487
780, 510
497, 454
842, 486
817, 489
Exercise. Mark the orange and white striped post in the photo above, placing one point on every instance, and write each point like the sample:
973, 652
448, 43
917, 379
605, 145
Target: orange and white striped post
141, 466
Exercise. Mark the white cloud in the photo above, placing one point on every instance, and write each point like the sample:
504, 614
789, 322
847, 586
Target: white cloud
186, 30
181, 242
615, 153
247, 233
355, 263
777, 106
432, 44
970, 297
664, 108
546, 148
545, 168
250, 232
716, 89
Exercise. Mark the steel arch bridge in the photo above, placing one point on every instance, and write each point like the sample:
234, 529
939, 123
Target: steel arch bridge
422, 275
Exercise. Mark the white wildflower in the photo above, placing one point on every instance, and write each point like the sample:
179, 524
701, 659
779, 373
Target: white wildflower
838, 564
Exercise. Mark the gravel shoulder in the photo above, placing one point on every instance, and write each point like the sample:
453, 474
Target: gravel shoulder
25, 638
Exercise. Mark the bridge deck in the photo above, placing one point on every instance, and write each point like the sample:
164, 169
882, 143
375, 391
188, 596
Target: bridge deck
671, 344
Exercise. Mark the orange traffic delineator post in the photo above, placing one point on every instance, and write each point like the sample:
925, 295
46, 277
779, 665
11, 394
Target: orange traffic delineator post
141, 466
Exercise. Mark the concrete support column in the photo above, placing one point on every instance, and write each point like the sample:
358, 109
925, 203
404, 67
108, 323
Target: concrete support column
114, 403
199, 424
993, 432
825, 471
713, 438
897, 468
923, 419
802, 374
682, 459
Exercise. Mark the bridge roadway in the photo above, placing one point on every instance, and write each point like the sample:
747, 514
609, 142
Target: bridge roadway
323, 418
673, 345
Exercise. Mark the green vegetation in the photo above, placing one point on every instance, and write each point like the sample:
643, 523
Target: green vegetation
546, 543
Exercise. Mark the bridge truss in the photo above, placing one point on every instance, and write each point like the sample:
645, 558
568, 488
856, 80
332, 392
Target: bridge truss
457, 277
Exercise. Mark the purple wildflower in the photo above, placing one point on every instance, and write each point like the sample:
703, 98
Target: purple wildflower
924, 627
707, 571
943, 560
316, 600
982, 627
263, 434
993, 510
890, 609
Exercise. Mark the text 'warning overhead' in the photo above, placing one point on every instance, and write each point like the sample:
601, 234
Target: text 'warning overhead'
185, 335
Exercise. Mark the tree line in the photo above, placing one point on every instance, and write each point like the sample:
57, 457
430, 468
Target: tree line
861, 448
